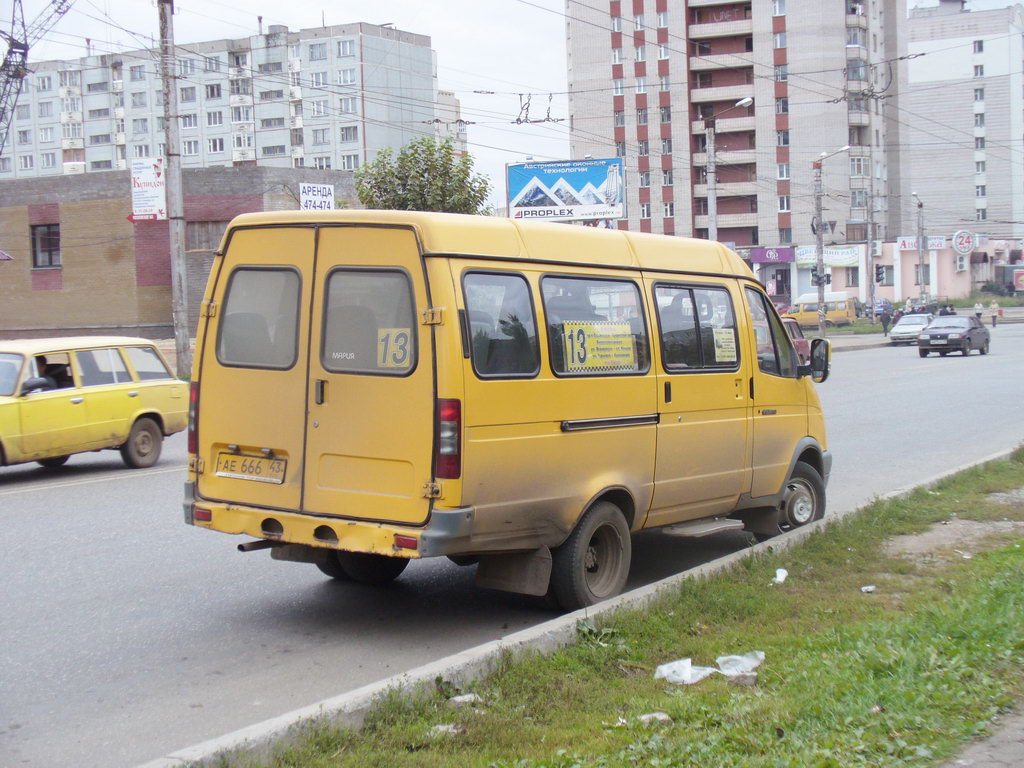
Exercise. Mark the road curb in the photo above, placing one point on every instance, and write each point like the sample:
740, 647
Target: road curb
461, 669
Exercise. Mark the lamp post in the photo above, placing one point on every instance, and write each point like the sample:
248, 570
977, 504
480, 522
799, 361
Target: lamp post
712, 180
820, 236
920, 246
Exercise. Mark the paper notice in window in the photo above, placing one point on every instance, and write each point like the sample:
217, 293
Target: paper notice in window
725, 345
598, 346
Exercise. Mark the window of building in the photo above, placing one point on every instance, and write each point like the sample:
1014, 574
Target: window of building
859, 166
46, 135
241, 140
620, 149
979, 70
74, 104
979, 166
70, 78
189, 120
71, 130
275, 95
616, 23
662, 19
857, 70
318, 79
25, 137
979, 190
26, 162
782, 138
272, 122
778, 7
95, 114
240, 87
645, 210
346, 77
981, 214
782, 170
140, 125
617, 87
641, 116
783, 203
188, 94
664, 82
349, 162
190, 147
979, 94
979, 119
97, 87
781, 73
271, 67
669, 209
922, 271
138, 99
317, 51
141, 150
44, 83
349, 133
346, 48
213, 91
666, 146
782, 105
666, 114
240, 60
276, 149
5, 165
858, 198
45, 246
215, 145
640, 53
137, 73
645, 178
638, 22
662, 51
348, 105
619, 118
704, 80
322, 163
785, 234
855, 36
979, 46
643, 147
211, 64
46, 109
99, 138
852, 275
666, 177
780, 39
641, 85
49, 160
215, 118
979, 142
321, 135
296, 137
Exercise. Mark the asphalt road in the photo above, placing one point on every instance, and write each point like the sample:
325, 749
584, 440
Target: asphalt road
127, 634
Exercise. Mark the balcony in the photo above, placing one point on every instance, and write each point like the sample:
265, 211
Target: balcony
727, 189
68, 92
723, 93
295, 92
120, 165
119, 113
719, 61
858, 118
72, 143
236, 73
242, 155
72, 168
295, 122
298, 151
294, 65
117, 86
240, 100
732, 157
857, 20
119, 138
725, 125
728, 220
721, 29
856, 53
70, 117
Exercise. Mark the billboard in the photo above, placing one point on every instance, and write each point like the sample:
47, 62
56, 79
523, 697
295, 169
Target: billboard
316, 197
566, 190
149, 189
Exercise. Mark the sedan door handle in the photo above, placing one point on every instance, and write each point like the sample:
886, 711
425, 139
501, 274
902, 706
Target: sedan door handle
133, 393
77, 400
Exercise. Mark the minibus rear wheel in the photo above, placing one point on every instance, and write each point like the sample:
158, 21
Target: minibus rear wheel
363, 567
593, 563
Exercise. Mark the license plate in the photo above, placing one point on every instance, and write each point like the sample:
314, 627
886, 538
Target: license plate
938, 341
259, 468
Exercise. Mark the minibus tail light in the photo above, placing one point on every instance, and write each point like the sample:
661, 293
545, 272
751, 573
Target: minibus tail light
193, 417
449, 439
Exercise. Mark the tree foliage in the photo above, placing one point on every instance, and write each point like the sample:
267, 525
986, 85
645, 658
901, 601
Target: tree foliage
426, 175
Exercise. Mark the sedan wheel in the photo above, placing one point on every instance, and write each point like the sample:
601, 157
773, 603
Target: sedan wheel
984, 348
923, 352
966, 349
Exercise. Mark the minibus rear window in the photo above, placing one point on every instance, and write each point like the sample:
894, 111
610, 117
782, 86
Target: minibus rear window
698, 328
369, 326
595, 327
259, 326
503, 329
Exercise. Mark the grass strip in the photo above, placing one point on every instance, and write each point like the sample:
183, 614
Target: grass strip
901, 676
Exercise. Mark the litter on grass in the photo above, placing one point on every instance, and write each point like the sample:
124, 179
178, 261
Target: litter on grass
683, 672
780, 575
868, 588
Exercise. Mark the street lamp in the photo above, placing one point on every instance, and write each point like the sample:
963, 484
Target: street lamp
712, 176
920, 245
820, 235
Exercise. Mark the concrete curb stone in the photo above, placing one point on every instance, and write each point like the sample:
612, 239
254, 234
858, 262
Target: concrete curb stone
461, 669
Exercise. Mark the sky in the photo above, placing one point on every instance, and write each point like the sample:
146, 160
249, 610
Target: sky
512, 49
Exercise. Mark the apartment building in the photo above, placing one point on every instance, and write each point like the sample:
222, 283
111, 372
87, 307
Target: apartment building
326, 98
965, 108
771, 84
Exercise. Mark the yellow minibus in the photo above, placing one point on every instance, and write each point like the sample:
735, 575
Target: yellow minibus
374, 387
840, 309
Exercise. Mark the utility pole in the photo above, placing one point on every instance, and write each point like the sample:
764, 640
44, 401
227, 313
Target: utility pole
709, 133
175, 202
920, 246
819, 242
871, 232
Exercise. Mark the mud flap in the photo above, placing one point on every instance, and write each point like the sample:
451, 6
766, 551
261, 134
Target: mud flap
527, 573
763, 523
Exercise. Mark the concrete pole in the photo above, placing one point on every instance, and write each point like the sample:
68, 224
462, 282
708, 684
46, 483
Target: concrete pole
709, 132
920, 248
819, 242
175, 201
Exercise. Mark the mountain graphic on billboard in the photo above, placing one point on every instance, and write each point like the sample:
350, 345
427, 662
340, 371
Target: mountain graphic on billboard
538, 194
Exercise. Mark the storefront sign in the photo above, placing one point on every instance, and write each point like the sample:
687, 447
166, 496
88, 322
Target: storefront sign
964, 242
772, 255
909, 243
833, 255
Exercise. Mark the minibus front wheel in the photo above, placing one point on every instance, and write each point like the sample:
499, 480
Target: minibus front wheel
803, 498
593, 563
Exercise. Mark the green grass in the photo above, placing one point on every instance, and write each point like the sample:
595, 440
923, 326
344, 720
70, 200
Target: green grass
902, 676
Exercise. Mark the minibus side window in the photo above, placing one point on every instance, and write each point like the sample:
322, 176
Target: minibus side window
595, 326
698, 328
369, 324
503, 328
259, 324
775, 353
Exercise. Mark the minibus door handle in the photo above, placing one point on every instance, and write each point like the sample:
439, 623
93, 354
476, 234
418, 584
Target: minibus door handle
321, 388
668, 391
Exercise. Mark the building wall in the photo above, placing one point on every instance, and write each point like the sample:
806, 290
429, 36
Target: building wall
115, 275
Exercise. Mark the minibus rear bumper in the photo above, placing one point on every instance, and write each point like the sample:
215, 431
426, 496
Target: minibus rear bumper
447, 532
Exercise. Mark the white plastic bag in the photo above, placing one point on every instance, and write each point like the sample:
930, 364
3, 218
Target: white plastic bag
682, 672
731, 666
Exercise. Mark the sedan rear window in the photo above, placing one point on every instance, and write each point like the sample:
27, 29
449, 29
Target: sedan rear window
9, 367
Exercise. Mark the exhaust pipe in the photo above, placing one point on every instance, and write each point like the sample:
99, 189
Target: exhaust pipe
252, 546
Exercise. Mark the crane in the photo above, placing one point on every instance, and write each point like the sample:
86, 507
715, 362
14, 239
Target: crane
14, 67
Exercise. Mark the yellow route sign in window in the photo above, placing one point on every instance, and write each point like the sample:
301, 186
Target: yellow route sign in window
598, 346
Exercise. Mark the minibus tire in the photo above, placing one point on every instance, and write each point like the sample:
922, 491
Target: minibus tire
593, 563
142, 448
803, 499
368, 568
54, 462
329, 566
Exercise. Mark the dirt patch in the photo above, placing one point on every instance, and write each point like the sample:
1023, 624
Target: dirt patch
954, 538
1015, 496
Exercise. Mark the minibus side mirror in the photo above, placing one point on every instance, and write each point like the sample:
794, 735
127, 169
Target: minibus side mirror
35, 382
821, 361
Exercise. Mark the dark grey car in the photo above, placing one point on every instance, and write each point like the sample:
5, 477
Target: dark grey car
953, 334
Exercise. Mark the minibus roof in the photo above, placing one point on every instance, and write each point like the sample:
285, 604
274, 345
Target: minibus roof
495, 236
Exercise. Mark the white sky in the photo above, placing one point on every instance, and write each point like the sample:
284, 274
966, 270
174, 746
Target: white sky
506, 46
510, 47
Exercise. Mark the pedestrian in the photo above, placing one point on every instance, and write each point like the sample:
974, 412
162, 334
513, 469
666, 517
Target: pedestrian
978, 309
886, 318
907, 307
896, 316
944, 311
993, 307
950, 310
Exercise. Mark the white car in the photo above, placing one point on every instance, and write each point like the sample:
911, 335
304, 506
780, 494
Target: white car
909, 326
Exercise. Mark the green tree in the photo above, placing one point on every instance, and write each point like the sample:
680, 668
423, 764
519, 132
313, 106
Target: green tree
427, 175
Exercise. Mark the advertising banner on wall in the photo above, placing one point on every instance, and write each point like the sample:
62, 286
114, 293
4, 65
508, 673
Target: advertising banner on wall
909, 243
316, 197
833, 255
772, 255
566, 190
149, 189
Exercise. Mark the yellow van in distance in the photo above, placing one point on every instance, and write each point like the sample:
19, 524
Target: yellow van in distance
840, 309
373, 387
